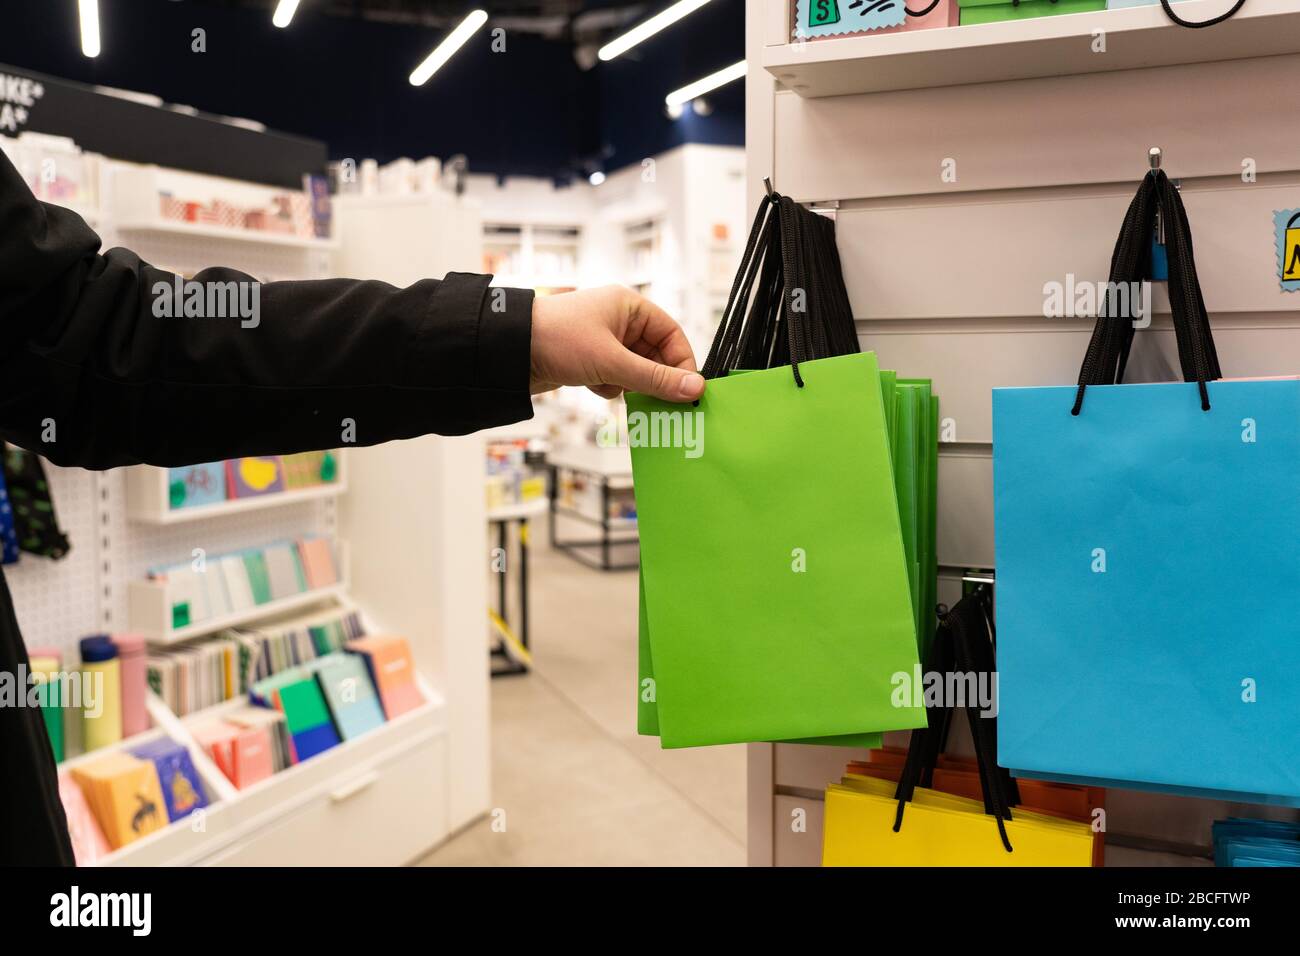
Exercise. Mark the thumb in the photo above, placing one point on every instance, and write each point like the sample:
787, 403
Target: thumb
637, 374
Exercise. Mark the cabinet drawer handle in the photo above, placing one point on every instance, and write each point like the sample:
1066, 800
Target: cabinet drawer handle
353, 787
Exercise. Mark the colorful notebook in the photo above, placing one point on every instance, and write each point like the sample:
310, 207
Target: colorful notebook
345, 683
283, 571
318, 562
249, 477
88, 842
182, 790
392, 669
124, 793
259, 579
196, 485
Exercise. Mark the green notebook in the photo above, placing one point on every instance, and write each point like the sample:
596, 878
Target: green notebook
996, 11
258, 577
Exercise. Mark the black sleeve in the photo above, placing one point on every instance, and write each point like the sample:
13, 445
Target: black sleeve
91, 376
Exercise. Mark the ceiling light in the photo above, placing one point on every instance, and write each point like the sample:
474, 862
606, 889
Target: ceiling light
444, 50
596, 178
284, 12
89, 26
702, 86
643, 31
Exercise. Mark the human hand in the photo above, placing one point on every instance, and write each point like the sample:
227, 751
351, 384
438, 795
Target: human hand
611, 339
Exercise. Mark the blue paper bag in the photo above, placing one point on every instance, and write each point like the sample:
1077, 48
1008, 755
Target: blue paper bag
1148, 570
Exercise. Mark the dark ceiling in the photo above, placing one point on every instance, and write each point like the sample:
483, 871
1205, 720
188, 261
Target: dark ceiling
338, 73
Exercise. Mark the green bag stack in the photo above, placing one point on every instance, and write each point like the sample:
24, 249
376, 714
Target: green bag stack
788, 562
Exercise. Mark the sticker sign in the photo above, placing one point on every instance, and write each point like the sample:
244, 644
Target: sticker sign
1286, 230
824, 18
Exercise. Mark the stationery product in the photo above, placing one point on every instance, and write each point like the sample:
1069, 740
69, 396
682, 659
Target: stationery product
284, 571
248, 477
297, 695
271, 722
89, 845
310, 469
1106, 523
193, 677
45, 673
995, 11
244, 754
318, 562
131, 662
259, 580
124, 794
778, 599
239, 590
102, 692
825, 18
392, 670
196, 485
182, 790
353, 703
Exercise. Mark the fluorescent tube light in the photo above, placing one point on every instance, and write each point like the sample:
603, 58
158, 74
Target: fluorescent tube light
284, 12
710, 82
89, 26
643, 31
444, 50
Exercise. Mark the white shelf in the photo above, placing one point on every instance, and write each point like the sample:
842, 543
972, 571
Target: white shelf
1061, 45
198, 230
278, 821
149, 611
148, 500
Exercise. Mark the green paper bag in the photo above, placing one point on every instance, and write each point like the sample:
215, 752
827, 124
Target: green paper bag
647, 714
742, 646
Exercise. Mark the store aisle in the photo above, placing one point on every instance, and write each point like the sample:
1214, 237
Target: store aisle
575, 782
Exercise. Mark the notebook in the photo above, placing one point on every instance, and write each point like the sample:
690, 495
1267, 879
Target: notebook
392, 669
345, 683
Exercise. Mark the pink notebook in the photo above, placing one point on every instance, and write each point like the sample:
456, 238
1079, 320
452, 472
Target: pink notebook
88, 842
318, 562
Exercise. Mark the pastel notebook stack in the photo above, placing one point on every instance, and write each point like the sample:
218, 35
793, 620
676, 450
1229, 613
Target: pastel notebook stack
1240, 842
182, 790
124, 794
244, 754
301, 640
391, 667
349, 693
273, 722
296, 694
232, 583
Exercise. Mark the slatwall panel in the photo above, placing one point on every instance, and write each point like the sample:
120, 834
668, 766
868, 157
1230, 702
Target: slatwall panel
947, 280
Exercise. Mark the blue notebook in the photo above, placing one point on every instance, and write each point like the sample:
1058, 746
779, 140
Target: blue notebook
345, 682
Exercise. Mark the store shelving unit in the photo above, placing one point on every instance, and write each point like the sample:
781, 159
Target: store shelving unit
147, 496
529, 255
1135, 38
1046, 142
396, 792
367, 794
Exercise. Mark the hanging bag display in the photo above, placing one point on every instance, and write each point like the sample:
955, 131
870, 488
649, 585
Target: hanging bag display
870, 821
776, 597
1147, 567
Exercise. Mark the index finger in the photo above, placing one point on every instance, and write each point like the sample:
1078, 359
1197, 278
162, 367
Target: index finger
658, 330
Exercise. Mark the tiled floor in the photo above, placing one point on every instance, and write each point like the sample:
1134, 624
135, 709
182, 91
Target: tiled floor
573, 784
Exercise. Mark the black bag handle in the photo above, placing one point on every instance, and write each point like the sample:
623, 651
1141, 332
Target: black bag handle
787, 303
1112, 337
962, 642
1192, 25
